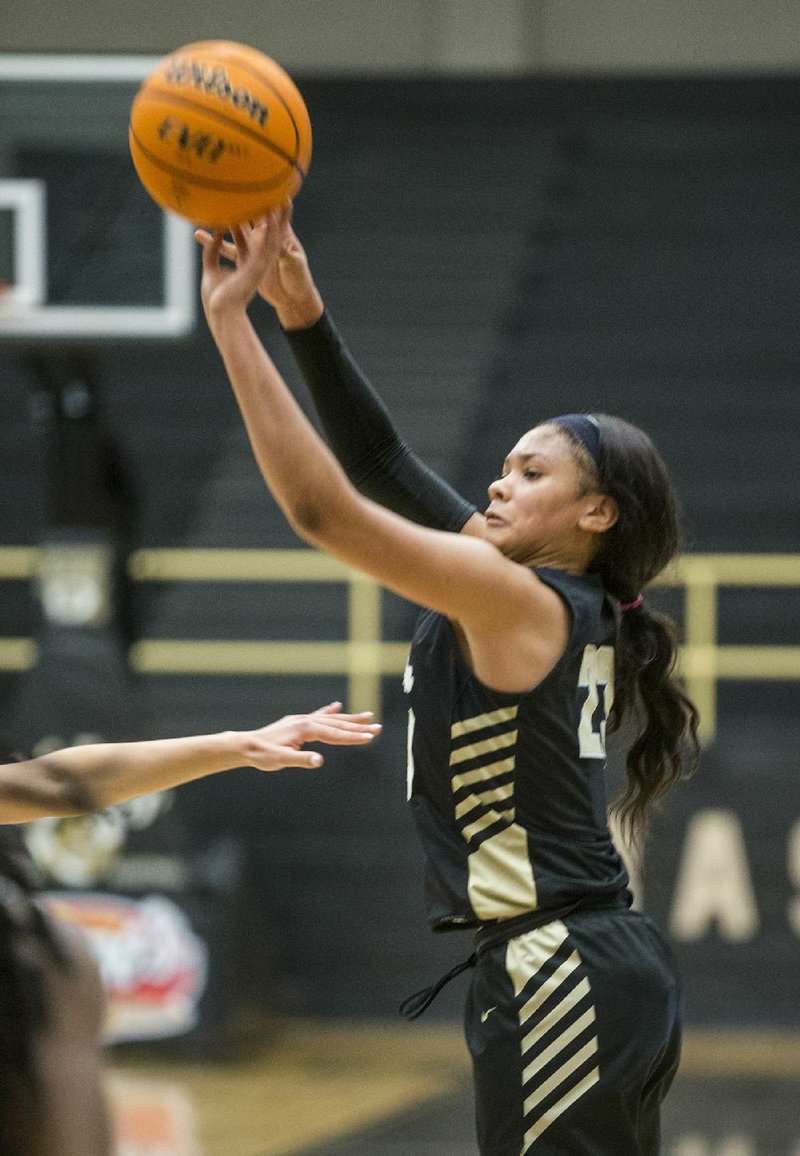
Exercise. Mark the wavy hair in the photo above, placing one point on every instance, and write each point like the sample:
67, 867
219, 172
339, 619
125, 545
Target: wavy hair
648, 697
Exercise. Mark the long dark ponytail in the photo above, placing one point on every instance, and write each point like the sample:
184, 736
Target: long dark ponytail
647, 696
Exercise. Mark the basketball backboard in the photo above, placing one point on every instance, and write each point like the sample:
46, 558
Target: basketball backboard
84, 252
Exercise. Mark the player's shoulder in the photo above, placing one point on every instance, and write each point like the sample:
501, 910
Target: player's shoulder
571, 585
587, 602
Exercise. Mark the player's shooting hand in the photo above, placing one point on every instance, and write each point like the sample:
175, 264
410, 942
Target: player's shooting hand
287, 285
225, 288
281, 743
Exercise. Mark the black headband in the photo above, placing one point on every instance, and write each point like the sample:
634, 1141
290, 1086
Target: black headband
584, 429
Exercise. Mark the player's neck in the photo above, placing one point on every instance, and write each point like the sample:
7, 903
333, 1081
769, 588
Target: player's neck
575, 558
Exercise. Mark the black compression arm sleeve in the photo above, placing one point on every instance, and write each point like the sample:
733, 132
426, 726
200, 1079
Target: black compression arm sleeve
361, 434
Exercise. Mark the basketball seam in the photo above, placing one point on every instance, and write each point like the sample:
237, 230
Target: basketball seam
183, 101
205, 183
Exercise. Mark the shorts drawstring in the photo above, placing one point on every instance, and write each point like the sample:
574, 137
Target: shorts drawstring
489, 935
421, 1000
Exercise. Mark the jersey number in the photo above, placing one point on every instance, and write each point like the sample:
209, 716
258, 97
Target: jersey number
597, 670
410, 762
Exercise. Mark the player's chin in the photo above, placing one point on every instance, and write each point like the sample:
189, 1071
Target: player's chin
499, 534
494, 527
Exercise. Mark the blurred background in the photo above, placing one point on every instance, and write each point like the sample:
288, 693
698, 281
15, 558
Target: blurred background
514, 209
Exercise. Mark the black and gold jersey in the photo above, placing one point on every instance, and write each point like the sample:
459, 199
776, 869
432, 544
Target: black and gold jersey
508, 790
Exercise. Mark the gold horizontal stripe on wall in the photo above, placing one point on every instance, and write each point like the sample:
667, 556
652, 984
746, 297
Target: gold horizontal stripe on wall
180, 656
368, 658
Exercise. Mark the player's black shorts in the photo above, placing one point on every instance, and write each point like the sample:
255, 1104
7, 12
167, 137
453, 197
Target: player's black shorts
574, 1032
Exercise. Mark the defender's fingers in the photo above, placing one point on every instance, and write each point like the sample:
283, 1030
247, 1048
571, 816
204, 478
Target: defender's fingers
342, 736
289, 757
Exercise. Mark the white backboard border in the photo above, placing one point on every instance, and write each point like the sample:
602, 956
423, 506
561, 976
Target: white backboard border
24, 312
26, 201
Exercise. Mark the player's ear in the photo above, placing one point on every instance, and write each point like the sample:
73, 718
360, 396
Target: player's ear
600, 514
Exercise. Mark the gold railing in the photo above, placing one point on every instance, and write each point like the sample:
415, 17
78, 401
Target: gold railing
365, 658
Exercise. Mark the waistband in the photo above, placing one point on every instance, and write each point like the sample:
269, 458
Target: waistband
489, 935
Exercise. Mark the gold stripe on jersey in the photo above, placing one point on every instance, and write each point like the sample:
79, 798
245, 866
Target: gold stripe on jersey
480, 798
485, 821
480, 722
486, 747
500, 876
481, 774
501, 883
557, 1025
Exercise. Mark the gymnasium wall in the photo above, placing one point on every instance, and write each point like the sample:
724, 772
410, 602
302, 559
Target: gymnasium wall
430, 36
543, 245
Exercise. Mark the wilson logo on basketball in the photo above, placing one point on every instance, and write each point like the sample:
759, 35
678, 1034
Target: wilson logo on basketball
214, 81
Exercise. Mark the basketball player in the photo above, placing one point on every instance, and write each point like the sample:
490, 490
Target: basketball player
51, 1000
535, 638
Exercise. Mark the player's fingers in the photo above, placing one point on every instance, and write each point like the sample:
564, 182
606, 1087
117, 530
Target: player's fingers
290, 241
265, 237
228, 250
347, 722
335, 708
211, 245
289, 757
342, 735
285, 220
359, 718
240, 240
306, 759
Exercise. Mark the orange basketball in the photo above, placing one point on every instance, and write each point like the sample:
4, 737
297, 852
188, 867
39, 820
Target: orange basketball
219, 133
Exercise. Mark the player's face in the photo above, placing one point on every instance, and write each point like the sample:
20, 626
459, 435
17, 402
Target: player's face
538, 506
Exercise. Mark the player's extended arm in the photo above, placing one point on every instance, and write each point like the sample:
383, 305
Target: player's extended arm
361, 433
357, 424
78, 780
459, 575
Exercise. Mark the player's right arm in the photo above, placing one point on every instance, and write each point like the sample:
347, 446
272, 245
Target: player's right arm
357, 425
515, 626
79, 780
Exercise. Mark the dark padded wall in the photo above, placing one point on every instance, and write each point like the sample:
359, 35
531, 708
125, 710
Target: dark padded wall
495, 251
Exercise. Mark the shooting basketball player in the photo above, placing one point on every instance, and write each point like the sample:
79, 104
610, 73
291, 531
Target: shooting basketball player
535, 638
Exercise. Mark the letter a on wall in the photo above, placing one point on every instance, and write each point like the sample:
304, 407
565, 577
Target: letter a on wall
714, 888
